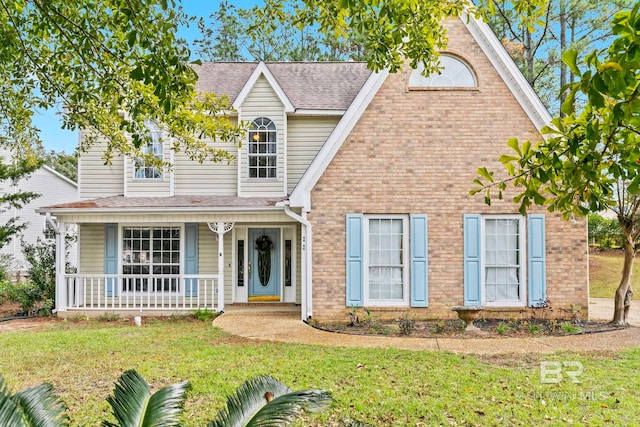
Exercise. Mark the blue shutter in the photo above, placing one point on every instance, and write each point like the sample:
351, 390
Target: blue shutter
191, 259
355, 265
536, 265
472, 260
419, 265
111, 258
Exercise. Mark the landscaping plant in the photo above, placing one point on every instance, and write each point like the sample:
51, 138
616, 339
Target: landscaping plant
260, 401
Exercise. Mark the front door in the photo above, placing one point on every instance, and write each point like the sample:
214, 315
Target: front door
264, 264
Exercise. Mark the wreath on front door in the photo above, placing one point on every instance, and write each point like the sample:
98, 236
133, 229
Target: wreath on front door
264, 245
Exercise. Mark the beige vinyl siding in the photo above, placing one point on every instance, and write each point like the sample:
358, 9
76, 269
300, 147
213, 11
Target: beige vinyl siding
208, 257
91, 258
91, 255
262, 101
193, 177
144, 187
95, 179
306, 135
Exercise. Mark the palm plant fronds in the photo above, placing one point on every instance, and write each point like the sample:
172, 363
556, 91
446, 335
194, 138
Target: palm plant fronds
35, 406
264, 401
134, 405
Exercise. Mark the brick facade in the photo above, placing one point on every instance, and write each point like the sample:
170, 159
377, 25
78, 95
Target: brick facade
417, 152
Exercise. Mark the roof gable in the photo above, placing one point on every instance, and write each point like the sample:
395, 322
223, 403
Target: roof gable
497, 55
263, 70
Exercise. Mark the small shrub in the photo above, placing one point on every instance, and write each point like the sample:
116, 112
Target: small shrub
108, 316
439, 327
28, 295
569, 328
76, 318
533, 328
502, 328
205, 315
407, 324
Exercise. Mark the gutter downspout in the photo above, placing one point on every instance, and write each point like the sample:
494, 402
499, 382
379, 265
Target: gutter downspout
305, 268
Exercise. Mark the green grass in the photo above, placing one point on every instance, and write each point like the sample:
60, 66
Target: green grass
378, 386
605, 271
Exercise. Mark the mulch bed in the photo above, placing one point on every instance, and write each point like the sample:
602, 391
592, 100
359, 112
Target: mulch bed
453, 328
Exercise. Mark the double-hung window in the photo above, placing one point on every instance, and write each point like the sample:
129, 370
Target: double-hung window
504, 252
151, 256
263, 149
154, 148
385, 260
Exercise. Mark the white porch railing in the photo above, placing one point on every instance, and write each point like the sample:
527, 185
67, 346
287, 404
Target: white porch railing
142, 292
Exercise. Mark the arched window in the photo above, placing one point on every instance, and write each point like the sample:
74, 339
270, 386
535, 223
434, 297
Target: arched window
454, 73
263, 149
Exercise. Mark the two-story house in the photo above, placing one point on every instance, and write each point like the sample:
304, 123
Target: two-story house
350, 189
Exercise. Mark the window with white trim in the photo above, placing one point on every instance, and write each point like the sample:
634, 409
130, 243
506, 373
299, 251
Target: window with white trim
503, 246
385, 260
263, 149
48, 231
153, 147
454, 73
153, 252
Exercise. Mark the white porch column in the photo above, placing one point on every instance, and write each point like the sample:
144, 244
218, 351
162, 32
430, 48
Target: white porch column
61, 284
220, 228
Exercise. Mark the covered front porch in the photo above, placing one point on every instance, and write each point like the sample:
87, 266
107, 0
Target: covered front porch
162, 262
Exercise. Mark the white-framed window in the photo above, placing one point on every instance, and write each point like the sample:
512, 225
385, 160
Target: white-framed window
153, 252
48, 231
263, 149
154, 146
385, 260
503, 260
454, 73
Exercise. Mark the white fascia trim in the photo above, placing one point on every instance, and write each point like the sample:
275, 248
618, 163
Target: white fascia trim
303, 112
301, 194
59, 175
508, 70
262, 69
157, 210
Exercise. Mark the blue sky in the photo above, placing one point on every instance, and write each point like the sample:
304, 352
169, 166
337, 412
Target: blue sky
50, 123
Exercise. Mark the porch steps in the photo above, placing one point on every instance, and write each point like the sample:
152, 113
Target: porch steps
257, 307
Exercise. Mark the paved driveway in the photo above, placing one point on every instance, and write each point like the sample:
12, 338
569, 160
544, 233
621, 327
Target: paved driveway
602, 309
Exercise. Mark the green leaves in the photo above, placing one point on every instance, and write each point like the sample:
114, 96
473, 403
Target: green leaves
264, 401
107, 66
134, 405
589, 158
32, 407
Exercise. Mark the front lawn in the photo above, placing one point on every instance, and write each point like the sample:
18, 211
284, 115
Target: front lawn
605, 271
378, 386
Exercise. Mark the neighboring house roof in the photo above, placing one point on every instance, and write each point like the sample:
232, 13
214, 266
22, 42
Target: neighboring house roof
182, 203
492, 48
306, 85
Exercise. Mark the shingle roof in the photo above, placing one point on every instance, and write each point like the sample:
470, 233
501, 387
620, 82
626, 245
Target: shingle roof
183, 201
308, 85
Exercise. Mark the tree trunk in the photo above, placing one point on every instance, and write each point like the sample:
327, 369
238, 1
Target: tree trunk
563, 48
622, 293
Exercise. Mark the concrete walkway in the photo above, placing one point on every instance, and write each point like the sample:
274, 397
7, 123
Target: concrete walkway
287, 327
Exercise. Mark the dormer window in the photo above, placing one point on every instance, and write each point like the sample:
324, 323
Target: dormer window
263, 149
454, 73
154, 147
